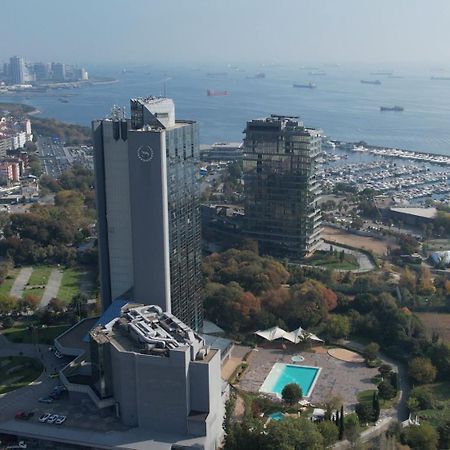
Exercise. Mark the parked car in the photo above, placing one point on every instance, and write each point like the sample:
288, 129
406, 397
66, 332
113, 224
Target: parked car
19, 445
44, 417
52, 418
60, 420
45, 400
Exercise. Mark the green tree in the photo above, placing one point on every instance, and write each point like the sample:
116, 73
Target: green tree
338, 326
329, 432
8, 303
385, 390
421, 370
370, 351
352, 428
292, 393
364, 412
422, 437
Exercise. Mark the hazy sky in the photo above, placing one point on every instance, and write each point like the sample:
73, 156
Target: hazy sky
231, 31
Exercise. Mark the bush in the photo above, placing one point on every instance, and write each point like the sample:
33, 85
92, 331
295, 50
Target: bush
423, 397
292, 393
422, 371
385, 390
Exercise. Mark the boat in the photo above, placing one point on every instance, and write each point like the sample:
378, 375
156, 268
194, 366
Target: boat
441, 78
216, 74
391, 108
371, 82
212, 93
382, 72
317, 73
305, 86
259, 75
63, 100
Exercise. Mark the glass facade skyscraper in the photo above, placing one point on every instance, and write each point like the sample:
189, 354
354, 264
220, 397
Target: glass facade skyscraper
281, 190
148, 208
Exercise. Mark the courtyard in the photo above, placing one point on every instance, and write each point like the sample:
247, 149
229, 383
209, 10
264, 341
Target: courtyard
337, 377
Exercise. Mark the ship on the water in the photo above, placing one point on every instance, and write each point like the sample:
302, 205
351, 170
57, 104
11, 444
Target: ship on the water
318, 73
382, 72
213, 93
371, 82
305, 86
441, 78
392, 108
258, 76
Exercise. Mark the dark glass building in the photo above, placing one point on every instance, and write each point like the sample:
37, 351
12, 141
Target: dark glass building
281, 191
148, 208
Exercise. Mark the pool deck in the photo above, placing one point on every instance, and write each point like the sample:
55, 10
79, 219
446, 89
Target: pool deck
341, 378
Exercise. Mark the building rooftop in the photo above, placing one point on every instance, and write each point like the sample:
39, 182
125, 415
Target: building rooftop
147, 329
427, 213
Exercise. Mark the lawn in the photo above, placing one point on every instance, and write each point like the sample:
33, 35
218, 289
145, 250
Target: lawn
70, 284
17, 372
332, 260
6, 286
39, 276
367, 396
436, 323
21, 334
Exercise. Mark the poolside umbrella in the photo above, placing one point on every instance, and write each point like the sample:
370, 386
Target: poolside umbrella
295, 336
272, 334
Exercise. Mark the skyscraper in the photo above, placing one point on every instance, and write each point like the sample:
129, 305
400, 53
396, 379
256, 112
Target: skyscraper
17, 70
281, 191
148, 208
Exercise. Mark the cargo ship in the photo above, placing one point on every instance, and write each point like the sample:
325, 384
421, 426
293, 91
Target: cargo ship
258, 76
391, 108
441, 78
213, 93
371, 82
305, 86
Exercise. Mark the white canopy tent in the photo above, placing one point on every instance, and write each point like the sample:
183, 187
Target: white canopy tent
271, 334
296, 336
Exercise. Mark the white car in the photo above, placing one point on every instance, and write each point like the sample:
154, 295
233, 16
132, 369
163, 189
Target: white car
52, 418
44, 417
60, 420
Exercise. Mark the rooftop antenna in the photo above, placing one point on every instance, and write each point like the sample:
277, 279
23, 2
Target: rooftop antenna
165, 86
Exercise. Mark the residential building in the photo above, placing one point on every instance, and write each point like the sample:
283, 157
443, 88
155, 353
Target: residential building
281, 190
221, 151
17, 70
59, 71
42, 71
148, 208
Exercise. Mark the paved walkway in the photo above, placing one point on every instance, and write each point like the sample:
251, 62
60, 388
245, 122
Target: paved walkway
21, 281
52, 288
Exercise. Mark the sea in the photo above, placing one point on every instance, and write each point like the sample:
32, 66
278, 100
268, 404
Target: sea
341, 106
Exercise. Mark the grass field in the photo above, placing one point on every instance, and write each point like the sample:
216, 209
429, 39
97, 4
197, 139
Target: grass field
40, 275
21, 334
436, 323
70, 284
333, 261
17, 372
367, 396
6, 286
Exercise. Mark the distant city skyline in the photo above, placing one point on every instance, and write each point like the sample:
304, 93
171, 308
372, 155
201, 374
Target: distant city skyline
214, 31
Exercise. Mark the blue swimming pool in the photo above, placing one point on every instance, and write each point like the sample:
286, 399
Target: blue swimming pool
283, 374
276, 415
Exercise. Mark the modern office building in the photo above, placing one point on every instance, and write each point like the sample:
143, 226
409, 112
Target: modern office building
17, 70
58, 71
148, 208
42, 71
281, 191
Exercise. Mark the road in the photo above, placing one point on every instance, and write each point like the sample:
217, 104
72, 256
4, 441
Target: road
53, 156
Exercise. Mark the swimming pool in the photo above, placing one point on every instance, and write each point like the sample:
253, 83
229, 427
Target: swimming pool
283, 374
276, 415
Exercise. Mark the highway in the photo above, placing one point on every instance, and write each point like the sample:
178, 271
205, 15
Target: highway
53, 157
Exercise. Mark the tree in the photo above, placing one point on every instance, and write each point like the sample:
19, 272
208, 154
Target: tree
385, 370
370, 351
444, 435
292, 393
421, 370
375, 406
341, 424
329, 432
30, 301
8, 303
385, 390
338, 326
422, 437
352, 428
364, 412
56, 305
